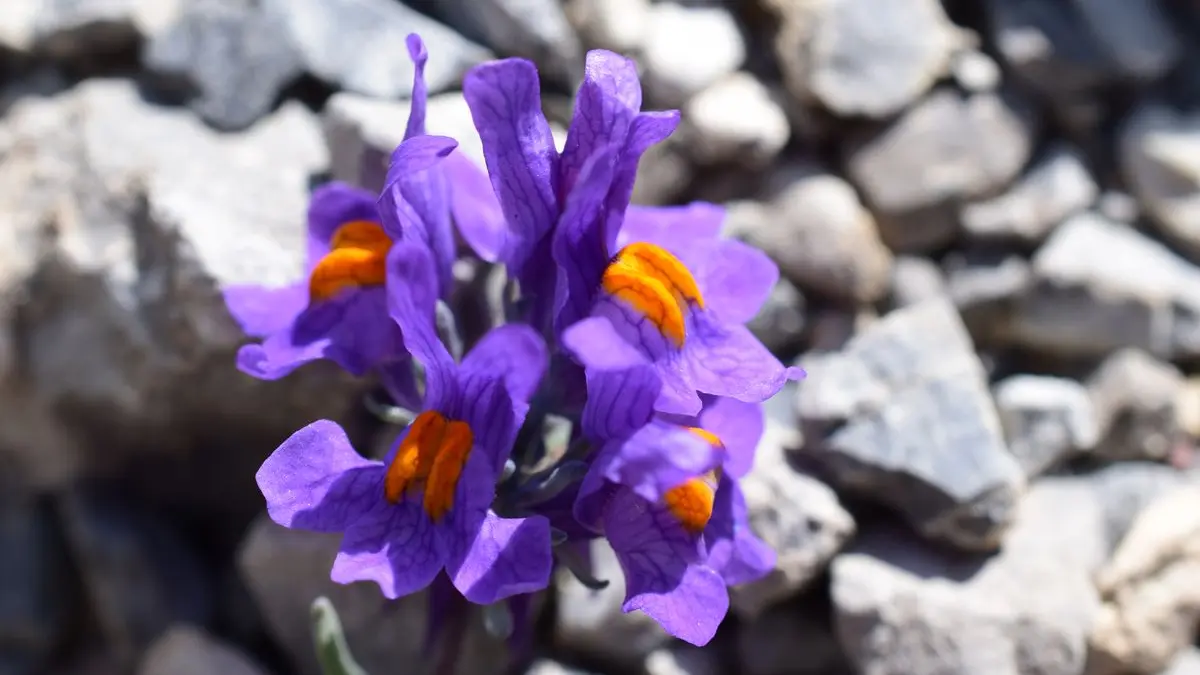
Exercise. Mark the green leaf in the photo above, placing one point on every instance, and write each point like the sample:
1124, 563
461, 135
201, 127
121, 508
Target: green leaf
333, 654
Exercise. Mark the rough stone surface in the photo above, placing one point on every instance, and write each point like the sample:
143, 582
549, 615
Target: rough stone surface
1100, 286
1135, 397
1160, 162
863, 57
944, 150
986, 285
769, 645
686, 49
903, 416
619, 25
1187, 663
18, 25
188, 650
79, 29
915, 280
1138, 38
781, 322
684, 660
36, 584
534, 29
1151, 590
737, 120
1046, 420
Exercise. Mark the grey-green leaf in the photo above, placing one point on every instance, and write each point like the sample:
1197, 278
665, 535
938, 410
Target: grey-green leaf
333, 654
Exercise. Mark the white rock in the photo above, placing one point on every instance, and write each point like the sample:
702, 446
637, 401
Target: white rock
736, 119
686, 49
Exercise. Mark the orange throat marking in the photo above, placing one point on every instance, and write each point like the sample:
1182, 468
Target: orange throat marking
357, 257
654, 283
692, 502
430, 457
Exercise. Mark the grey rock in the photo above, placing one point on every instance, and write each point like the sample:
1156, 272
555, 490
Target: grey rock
682, 660
286, 569
736, 120
1135, 396
1125, 489
687, 49
359, 45
1100, 286
1046, 420
901, 606
139, 573
799, 517
975, 71
903, 416
833, 327
663, 174
867, 58
1158, 155
36, 584
618, 25
772, 643
915, 280
125, 222
1119, 206
1138, 37
231, 57
80, 29
1049, 48
819, 233
986, 286
1056, 187
780, 324
188, 650
942, 151
1187, 408
548, 667
1187, 663
18, 25
534, 29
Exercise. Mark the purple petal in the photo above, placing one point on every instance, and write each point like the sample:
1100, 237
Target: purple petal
487, 408
659, 457
595, 490
647, 129
578, 247
476, 210
727, 360
332, 205
596, 344
261, 311
662, 574
416, 113
400, 382
739, 425
736, 280
316, 481
353, 330
514, 353
416, 201
506, 557
734, 551
506, 105
682, 230
619, 402
417, 154
605, 105
395, 546
412, 299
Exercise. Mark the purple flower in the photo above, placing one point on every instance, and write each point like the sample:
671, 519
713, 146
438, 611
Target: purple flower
541, 192
664, 492
427, 506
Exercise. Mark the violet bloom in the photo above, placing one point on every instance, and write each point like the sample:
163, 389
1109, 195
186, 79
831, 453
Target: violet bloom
427, 506
540, 191
339, 311
664, 493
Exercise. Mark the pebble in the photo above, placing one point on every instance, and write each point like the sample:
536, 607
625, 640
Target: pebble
687, 49
1046, 420
735, 120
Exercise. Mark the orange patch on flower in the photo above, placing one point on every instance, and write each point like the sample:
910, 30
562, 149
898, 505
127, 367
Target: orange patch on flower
430, 457
654, 283
357, 258
692, 502
713, 439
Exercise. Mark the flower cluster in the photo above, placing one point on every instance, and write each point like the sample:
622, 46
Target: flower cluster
623, 327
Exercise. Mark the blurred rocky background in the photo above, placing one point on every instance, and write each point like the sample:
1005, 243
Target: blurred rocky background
987, 216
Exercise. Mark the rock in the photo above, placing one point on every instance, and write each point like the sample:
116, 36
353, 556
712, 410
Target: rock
18, 25
985, 286
286, 570
1157, 150
1150, 590
833, 327
663, 174
901, 606
1056, 187
36, 584
869, 58
534, 29
1187, 407
82, 29
822, 237
736, 120
359, 45
771, 644
1125, 489
1135, 396
1118, 206
1187, 663
682, 660
1046, 420
1100, 286
139, 573
362, 133
125, 221
1137, 37
902, 416
618, 25
944, 150
780, 324
548, 667
915, 280
795, 514
687, 49
591, 622
975, 71
187, 650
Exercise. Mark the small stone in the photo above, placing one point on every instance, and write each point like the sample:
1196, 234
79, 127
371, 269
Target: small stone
682, 660
534, 29
548, 667
986, 286
867, 58
18, 24
903, 416
1118, 206
903, 607
663, 175
80, 29
1137, 36
231, 57
1125, 489
687, 49
1057, 187
942, 151
617, 25
1187, 407
737, 120
1049, 48
975, 71
1159, 153
1046, 420
1135, 397
915, 280
1100, 286
187, 650
1187, 663
359, 45
819, 233
1150, 590
780, 324
36, 584
790, 639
